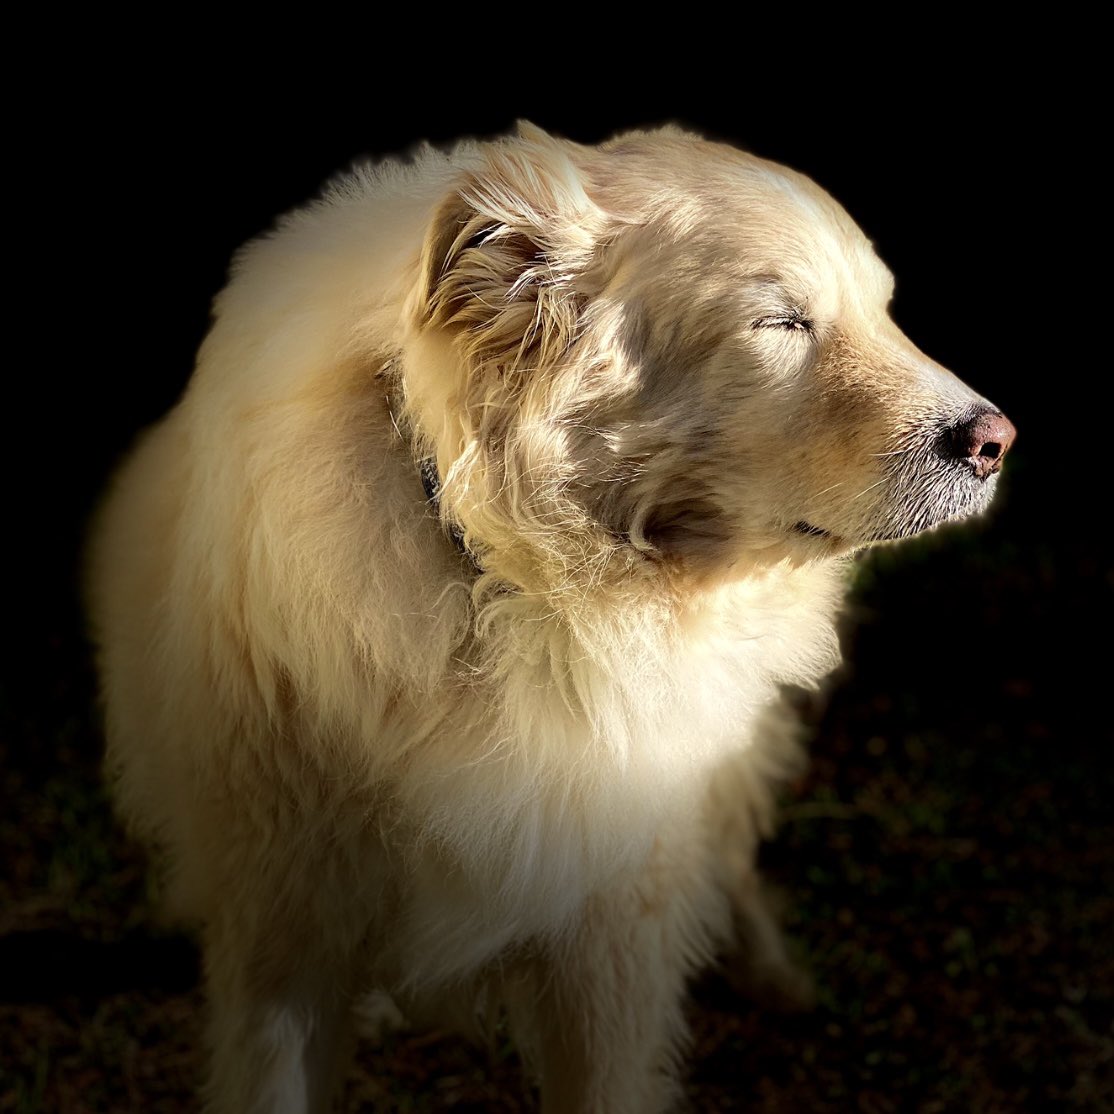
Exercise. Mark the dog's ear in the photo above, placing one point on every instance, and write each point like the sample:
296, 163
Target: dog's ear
505, 261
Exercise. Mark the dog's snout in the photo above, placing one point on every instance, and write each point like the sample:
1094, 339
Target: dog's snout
983, 438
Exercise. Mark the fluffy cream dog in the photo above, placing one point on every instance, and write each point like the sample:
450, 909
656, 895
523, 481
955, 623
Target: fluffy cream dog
442, 623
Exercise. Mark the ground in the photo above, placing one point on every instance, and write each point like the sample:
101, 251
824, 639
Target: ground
946, 870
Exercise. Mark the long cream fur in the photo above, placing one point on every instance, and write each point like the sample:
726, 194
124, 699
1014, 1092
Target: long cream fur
529, 776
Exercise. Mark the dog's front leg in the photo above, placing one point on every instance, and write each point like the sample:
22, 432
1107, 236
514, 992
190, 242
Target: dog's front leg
280, 1027
602, 1008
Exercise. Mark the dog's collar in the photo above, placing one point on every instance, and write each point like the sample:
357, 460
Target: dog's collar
431, 482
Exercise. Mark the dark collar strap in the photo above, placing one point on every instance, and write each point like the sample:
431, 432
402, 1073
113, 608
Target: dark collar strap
431, 482
427, 472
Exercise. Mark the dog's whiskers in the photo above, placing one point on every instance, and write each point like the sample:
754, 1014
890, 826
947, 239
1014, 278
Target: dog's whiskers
867, 490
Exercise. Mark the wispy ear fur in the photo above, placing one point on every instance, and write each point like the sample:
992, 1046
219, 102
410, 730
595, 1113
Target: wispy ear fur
543, 377
503, 350
501, 265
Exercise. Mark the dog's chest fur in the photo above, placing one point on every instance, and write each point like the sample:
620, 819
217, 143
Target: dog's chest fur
577, 749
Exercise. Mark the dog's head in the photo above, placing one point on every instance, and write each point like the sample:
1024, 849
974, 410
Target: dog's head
668, 351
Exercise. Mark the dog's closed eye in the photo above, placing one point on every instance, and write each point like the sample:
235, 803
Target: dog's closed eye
795, 322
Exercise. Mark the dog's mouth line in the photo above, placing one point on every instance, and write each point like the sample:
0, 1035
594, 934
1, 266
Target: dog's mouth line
808, 530
811, 531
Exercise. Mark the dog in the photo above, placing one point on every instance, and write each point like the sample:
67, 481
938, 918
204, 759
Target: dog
444, 624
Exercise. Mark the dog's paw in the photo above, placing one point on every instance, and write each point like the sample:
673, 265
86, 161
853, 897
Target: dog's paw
375, 1016
779, 985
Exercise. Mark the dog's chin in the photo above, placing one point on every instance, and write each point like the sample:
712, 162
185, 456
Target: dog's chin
905, 514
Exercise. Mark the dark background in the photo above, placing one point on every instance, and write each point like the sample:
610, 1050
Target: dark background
947, 862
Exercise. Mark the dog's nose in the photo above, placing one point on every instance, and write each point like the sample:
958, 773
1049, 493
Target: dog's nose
983, 438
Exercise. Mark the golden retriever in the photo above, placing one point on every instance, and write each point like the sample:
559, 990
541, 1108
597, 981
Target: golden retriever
442, 624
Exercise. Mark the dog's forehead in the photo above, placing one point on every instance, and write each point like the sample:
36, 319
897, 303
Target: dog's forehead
777, 220
780, 212
815, 238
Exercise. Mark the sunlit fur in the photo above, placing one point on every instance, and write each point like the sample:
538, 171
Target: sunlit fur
530, 776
